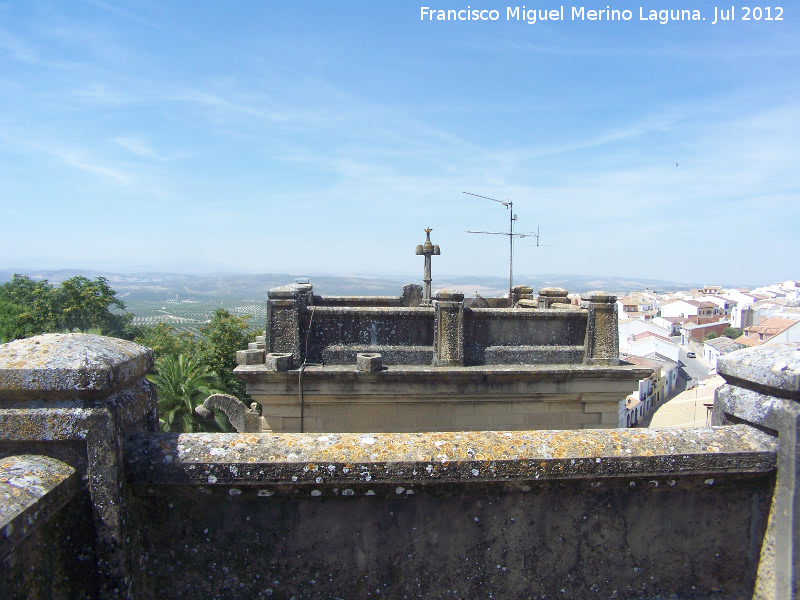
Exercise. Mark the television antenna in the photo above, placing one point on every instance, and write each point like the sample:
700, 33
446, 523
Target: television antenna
512, 218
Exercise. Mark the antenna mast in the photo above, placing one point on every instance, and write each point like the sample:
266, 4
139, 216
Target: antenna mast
511, 235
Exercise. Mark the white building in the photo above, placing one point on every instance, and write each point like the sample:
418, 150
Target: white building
713, 349
687, 308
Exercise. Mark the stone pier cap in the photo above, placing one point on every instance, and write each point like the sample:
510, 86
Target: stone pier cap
332, 460
774, 369
78, 366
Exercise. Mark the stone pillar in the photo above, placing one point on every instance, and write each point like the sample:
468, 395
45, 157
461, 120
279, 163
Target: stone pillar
76, 397
763, 389
448, 329
551, 295
283, 320
602, 331
412, 295
520, 292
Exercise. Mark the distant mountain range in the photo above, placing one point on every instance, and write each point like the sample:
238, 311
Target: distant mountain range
154, 286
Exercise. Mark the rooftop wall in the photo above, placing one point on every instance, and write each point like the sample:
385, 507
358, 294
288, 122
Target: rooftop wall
334, 329
704, 513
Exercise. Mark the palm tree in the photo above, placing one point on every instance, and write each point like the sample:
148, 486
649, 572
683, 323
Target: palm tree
181, 384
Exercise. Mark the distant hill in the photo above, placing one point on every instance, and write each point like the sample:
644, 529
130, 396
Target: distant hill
154, 286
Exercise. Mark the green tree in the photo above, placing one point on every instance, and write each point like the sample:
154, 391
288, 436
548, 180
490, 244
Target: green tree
182, 384
164, 341
711, 336
732, 332
85, 304
29, 307
9, 321
222, 337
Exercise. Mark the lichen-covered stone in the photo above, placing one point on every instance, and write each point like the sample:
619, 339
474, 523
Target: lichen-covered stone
776, 367
369, 362
58, 365
250, 357
32, 488
553, 291
278, 361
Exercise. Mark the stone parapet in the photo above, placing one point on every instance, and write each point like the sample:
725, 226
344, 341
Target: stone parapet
74, 397
626, 514
763, 390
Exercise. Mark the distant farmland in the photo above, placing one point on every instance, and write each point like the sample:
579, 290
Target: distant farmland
191, 315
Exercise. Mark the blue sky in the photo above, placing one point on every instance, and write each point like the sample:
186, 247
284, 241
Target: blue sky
323, 137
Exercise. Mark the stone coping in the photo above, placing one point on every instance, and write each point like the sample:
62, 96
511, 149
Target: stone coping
774, 367
336, 459
404, 311
553, 292
32, 489
527, 313
475, 373
69, 365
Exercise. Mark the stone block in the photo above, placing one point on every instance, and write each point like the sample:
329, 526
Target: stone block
249, 357
508, 420
572, 419
546, 421
529, 408
608, 418
492, 408
601, 407
256, 346
776, 367
566, 407
478, 422
278, 361
369, 362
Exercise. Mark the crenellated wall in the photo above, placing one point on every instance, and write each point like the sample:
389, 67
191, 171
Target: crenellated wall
96, 504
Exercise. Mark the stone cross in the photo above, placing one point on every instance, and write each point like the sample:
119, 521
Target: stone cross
427, 250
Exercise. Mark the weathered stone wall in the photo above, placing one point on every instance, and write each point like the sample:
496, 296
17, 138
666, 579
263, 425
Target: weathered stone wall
509, 336
546, 515
334, 329
338, 333
415, 398
677, 513
47, 535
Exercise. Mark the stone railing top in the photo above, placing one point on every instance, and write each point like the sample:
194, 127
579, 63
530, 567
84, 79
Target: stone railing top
25, 479
553, 291
291, 290
69, 365
776, 367
599, 297
452, 295
345, 458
